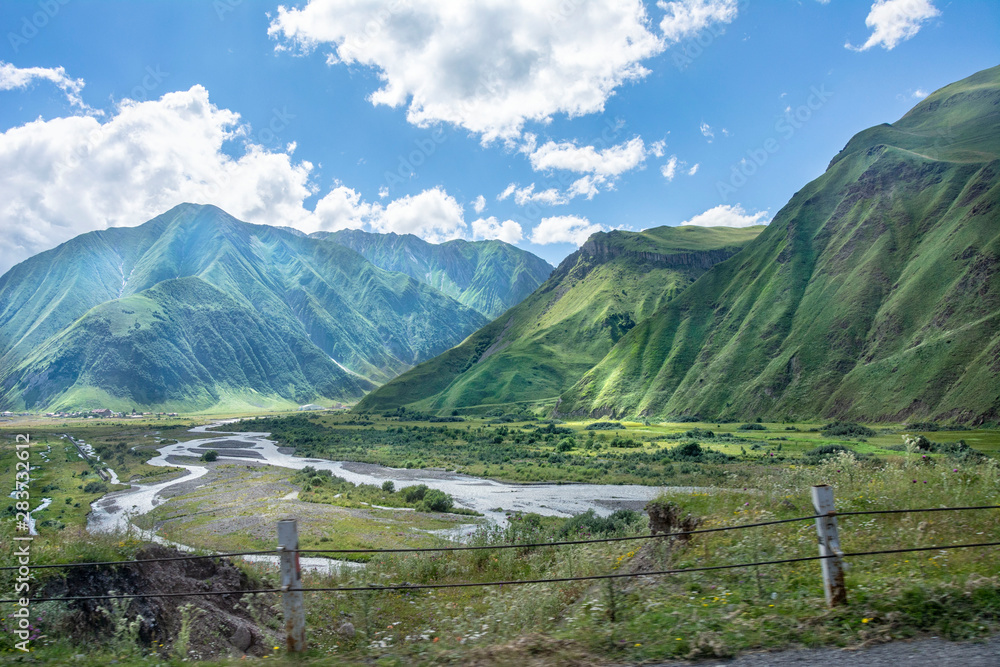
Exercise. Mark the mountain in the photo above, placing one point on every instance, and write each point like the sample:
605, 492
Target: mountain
195, 309
487, 276
874, 294
539, 348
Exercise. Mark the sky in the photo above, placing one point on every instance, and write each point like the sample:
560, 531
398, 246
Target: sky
538, 122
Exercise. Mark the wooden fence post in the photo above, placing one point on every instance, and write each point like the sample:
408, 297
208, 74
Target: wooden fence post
829, 545
291, 586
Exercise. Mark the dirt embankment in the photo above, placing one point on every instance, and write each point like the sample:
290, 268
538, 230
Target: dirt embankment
222, 625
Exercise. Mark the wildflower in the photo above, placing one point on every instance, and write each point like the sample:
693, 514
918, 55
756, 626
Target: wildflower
865, 620
638, 645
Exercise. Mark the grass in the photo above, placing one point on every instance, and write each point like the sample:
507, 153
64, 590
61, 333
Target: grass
953, 594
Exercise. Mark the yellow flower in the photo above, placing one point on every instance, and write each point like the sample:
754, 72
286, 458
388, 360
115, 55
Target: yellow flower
638, 645
865, 620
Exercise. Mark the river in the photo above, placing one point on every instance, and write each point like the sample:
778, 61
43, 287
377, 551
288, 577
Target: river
487, 496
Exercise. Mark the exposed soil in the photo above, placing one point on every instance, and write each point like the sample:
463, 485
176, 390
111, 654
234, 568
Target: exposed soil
219, 625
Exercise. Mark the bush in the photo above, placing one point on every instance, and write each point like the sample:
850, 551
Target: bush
692, 452
388, 486
565, 445
618, 522
847, 429
210, 455
95, 487
751, 427
824, 452
412, 494
604, 426
435, 500
704, 434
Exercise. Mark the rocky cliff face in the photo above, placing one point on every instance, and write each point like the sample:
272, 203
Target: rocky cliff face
603, 249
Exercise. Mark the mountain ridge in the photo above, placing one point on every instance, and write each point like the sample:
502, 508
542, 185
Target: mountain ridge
347, 324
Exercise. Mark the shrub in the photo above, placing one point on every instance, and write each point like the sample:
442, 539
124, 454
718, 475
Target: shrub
95, 487
435, 500
604, 426
210, 455
412, 494
699, 433
588, 522
751, 427
824, 452
847, 429
565, 445
388, 486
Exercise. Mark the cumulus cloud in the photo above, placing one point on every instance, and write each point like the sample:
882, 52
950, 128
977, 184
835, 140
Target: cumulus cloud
895, 21
685, 18
694, 170
67, 176
669, 170
433, 215
528, 195
479, 204
341, 208
706, 131
488, 66
491, 228
564, 229
70, 175
12, 78
568, 156
725, 215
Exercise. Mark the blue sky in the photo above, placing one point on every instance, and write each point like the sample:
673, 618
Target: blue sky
399, 115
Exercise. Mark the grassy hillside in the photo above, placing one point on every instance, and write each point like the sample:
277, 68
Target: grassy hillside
874, 293
539, 348
196, 308
487, 276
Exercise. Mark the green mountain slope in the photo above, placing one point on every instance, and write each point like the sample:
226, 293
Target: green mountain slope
542, 346
195, 308
487, 276
874, 294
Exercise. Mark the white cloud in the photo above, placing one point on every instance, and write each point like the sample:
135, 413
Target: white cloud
895, 21
383, 192
491, 228
433, 215
479, 204
669, 170
527, 195
12, 78
920, 94
694, 170
568, 156
706, 131
657, 148
67, 176
341, 208
507, 192
725, 215
488, 66
564, 229
685, 18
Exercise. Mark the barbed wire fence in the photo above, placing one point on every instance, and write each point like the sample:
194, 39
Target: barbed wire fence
291, 589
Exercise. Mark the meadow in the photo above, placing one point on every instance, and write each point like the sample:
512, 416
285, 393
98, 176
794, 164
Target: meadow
759, 472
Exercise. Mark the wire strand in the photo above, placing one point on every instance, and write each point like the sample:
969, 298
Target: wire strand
512, 546
515, 582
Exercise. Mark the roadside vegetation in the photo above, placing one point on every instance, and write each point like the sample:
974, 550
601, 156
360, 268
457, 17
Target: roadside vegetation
758, 474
